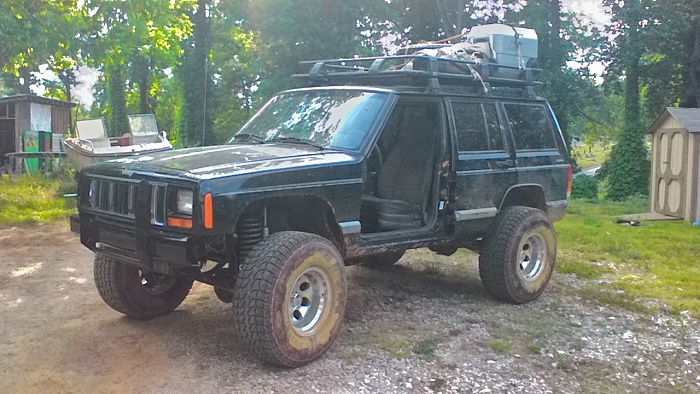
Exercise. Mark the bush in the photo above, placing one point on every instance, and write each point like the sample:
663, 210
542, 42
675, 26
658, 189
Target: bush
585, 187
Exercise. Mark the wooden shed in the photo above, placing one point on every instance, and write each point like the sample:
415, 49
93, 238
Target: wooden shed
675, 163
29, 113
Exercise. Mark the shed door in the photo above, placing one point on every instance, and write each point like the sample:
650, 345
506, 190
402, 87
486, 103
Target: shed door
671, 161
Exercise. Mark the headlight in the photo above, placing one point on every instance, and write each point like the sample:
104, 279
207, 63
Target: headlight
184, 202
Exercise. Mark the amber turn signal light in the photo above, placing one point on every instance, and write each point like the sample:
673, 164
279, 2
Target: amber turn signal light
182, 223
208, 211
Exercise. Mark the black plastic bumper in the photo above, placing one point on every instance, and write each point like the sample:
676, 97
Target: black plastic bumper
147, 249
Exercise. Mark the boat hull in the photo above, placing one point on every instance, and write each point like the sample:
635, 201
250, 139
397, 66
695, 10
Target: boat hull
81, 155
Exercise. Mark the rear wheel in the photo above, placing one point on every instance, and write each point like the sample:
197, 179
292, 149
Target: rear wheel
128, 290
518, 259
289, 298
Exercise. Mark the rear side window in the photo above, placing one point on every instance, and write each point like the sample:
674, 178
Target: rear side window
477, 127
531, 126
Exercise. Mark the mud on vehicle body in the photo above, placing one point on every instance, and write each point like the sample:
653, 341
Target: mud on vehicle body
367, 162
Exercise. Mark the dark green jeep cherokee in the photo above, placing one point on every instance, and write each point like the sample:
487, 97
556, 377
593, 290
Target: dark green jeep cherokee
369, 161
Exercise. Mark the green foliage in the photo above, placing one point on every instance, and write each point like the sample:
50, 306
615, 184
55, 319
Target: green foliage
118, 121
629, 168
229, 56
654, 261
195, 78
585, 187
34, 199
568, 90
39, 32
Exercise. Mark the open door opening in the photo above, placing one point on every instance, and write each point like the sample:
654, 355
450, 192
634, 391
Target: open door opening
400, 192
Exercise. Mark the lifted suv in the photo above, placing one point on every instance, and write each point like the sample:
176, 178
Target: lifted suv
371, 160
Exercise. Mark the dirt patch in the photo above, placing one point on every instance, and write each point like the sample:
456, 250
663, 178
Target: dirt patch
425, 325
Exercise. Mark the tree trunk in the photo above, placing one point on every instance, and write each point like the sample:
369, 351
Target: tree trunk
629, 167
144, 78
67, 79
691, 72
196, 123
118, 120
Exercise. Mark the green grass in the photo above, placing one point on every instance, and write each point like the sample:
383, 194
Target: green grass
31, 199
501, 346
655, 261
597, 156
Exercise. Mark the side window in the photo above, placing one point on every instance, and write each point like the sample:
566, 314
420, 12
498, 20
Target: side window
477, 127
531, 126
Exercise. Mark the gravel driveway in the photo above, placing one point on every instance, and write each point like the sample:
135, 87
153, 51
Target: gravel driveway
426, 325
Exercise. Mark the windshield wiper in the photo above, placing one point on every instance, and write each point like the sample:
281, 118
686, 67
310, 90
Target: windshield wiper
297, 140
246, 136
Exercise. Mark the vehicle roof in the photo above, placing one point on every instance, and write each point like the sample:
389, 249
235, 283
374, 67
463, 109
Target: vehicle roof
500, 94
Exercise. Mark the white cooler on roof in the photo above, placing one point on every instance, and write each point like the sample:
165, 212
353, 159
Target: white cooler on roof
510, 46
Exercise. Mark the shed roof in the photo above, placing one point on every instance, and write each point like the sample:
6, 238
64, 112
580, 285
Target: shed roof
688, 117
36, 99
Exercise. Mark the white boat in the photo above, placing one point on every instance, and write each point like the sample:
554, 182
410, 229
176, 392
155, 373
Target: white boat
92, 145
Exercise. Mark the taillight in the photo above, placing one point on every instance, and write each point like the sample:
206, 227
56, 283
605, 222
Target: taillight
569, 181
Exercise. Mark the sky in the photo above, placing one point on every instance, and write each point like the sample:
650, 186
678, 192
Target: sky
592, 10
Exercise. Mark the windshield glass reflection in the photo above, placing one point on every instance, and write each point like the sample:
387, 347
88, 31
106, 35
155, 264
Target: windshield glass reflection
328, 118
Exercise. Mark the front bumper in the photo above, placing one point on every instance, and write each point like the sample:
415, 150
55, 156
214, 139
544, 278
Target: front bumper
148, 249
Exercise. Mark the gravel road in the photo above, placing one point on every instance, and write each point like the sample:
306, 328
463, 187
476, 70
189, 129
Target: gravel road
425, 325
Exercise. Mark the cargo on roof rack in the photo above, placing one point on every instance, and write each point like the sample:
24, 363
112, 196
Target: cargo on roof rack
435, 74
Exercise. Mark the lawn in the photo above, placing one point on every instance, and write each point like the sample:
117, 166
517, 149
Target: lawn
596, 157
32, 199
631, 266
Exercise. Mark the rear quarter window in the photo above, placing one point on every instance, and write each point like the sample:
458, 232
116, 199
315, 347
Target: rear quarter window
531, 126
477, 127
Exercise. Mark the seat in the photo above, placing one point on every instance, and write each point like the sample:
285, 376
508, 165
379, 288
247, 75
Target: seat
404, 180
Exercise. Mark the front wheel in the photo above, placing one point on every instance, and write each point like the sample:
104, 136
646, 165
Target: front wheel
289, 298
519, 255
128, 290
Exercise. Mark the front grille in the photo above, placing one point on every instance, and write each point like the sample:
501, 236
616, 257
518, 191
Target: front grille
116, 197
158, 191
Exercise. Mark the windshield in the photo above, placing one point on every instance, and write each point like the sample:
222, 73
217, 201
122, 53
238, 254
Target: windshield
328, 118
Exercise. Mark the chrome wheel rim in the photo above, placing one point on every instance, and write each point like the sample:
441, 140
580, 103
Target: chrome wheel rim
532, 255
307, 300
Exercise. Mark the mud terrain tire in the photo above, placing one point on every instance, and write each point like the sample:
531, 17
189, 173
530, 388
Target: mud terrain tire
126, 290
519, 254
289, 298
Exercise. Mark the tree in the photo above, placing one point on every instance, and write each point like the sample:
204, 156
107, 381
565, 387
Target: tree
195, 79
562, 38
420, 20
629, 167
140, 36
36, 33
237, 68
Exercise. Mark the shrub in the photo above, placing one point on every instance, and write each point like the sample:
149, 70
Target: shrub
585, 187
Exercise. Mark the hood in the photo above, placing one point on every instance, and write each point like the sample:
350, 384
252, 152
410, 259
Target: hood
224, 160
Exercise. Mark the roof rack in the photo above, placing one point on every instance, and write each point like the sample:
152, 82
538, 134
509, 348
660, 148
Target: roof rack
436, 74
